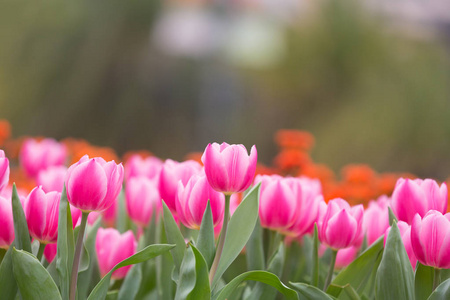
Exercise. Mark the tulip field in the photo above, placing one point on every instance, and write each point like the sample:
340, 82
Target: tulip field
78, 222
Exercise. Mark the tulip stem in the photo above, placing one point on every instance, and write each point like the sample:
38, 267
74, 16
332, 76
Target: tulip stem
437, 278
331, 270
275, 239
223, 234
77, 255
2, 254
40, 251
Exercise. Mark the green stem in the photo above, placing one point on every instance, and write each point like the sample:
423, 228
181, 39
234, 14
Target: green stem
436, 278
77, 256
40, 251
223, 234
275, 239
315, 258
2, 254
331, 270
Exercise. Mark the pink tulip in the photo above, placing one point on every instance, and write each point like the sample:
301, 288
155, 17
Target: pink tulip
191, 201
93, 184
23, 194
6, 223
430, 239
113, 247
4, 170
172, 172
137, 166
38, 155
142, 199
279, 201
418, 196
229, 168
309, 202
405, 233
235, 200
346, 256
50, 252
42, 211
52, 178
376, 220
341, 226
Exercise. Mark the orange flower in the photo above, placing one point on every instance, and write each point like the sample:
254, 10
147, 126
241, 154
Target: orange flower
292, 138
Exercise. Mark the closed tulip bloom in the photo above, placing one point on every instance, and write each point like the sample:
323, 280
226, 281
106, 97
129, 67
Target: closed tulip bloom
346, 256
405, 233
52, 178
6, 223
418, 196
172, 172
229, 168
111, 248
42, 211
137, 166
341, 226
279, 203
191, 201
142, 199
309, 202
36, 155
376, 220
94, 184
4, 170
430, 239
50, 252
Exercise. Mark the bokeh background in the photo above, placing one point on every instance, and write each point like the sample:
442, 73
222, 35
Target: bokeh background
370, 79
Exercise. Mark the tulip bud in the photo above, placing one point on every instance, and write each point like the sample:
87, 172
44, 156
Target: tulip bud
52, 178
405, 233
50, 252
341, 225
430, 239
137, 166
191, 201
142, 199
279, 201
418, 196
6, 223
36, 155
172, 172
308, 207
93, 184
111, 248
229, 168
376, 220
4, 170
42, 211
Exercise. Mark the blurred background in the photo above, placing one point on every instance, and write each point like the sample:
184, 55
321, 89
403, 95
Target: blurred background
369, 79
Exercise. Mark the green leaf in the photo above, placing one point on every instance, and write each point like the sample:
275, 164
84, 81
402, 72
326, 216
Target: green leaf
22, 240
65, 245
186, 280
131, 284
261, 276
255, 249
395, 277
442, 292
240, 228
276, 264
112, 295
423, 281
164, 267
174, 236
345, 292
392, 216
202, 289
315, 257
100, 290
310, 292
8, 285
205, 242
34, 281
359, 273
